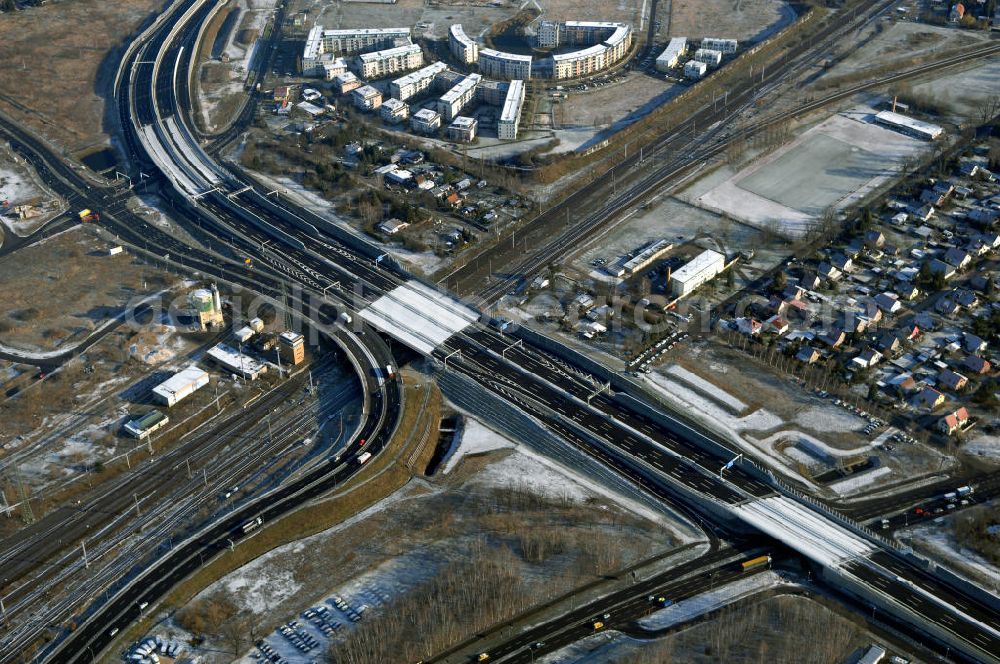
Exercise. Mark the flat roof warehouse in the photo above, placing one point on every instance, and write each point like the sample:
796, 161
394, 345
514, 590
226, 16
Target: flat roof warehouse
908, 125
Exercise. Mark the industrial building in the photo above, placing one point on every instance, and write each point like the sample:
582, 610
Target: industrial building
379, 64
366, 98
697, 271
142, 427
413, 84
672, 54
425, 121
694, 69
463, 128
206, 306
235, 362
506, 66
180, 386
291, 347
346, 82
907, 125
321, 42
458, 97
394, 111
510, 115
466, 50
708, 56
646, 256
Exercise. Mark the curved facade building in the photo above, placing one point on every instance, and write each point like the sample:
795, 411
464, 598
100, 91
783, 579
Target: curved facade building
606, 43
463, 48
505, 66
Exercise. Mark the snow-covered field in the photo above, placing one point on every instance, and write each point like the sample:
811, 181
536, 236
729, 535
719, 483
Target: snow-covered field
19, 187
984, 445
937, 537
716, 392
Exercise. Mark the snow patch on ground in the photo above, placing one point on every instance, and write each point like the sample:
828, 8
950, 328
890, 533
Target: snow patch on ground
858, 481
706, 602
710, 389
611, 645
476, 439
985, 446
19, 187
688, 399
820, 418
939, 539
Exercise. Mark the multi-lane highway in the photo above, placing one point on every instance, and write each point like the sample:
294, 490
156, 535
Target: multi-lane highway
662, 456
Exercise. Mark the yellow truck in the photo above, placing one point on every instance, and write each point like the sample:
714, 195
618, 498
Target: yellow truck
88, 215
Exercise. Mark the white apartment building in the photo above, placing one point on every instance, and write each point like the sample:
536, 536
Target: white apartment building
606, 43
463, 128
507, 66
694, 69
462, 47
425, 121
727, 46
366, 98
458, 97
708, 56
379, 64
322, 42
672, 54
413, 84
510, 116
394, 111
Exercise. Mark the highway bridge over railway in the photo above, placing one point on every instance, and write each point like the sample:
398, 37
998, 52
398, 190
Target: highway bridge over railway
592, 413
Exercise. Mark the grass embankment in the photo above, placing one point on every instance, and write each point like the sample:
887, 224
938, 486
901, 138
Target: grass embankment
407, 454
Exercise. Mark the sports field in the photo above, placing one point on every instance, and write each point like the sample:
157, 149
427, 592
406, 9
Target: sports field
816, 174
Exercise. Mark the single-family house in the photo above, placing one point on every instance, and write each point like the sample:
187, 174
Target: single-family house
907, 291
888, 343
807, 354
946, 306
834, 338
954, 421
957, 257
902, 384
828, 272
928, 398
973, 344
947, 270
952, 380
748, 326
976, 364
966, 298
776, 325
874, 238
392, 226
841, 262
809, 281
888, 302
867, 359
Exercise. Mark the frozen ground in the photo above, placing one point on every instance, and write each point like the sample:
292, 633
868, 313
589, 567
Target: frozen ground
20, 186
744, 20
831, 164
906, 39
716, 392
985, 446
962, 92
706, 602
936, 538
858, 481
476, 439
611, 645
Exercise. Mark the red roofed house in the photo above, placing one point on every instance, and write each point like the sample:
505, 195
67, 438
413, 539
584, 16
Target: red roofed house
953, 422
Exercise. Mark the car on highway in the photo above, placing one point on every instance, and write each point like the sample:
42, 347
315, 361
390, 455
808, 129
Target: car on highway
483, 656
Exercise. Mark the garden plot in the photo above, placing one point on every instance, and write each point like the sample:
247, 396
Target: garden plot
831, 165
